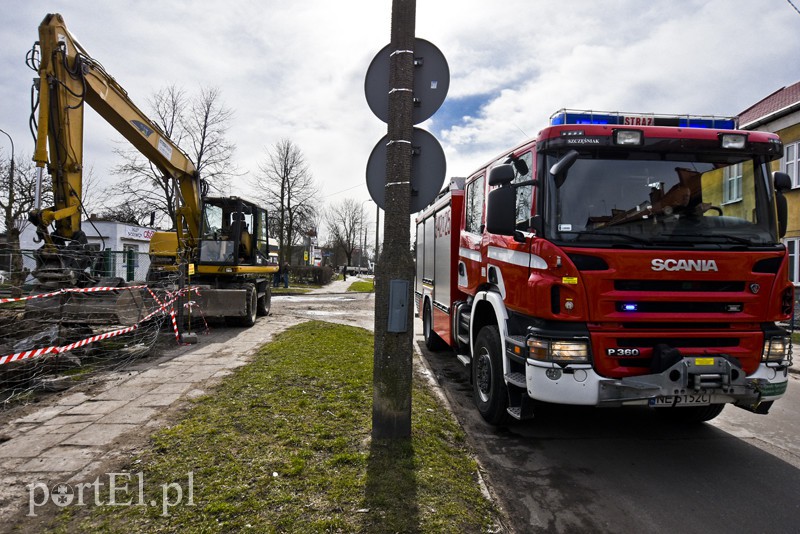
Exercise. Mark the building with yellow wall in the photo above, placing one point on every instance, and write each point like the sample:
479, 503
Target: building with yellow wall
780, 113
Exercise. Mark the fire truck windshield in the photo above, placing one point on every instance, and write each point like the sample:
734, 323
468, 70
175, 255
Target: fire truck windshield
652, 201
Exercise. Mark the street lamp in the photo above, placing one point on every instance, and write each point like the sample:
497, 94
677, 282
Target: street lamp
9, 206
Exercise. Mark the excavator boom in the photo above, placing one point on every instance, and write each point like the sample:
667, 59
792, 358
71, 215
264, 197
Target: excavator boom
69, 78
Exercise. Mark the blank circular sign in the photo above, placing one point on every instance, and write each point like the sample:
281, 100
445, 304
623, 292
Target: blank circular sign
428, 169
431, 81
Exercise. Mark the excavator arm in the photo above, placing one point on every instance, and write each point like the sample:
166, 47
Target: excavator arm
68, 79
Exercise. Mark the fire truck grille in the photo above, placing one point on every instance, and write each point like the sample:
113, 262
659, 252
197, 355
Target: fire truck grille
679, 342
683, 307
676, 326
707, 286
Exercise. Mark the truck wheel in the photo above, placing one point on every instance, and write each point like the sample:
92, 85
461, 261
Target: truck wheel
432, 340
251, 304
488, 386
691, 414
264, 303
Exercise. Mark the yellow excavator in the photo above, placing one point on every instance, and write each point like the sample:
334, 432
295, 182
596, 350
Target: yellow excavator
219, 246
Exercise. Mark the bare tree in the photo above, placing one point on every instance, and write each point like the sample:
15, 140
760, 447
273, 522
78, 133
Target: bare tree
344, 222
24, 196
16, 207
199, 126
288, 190
126, 213
205, 127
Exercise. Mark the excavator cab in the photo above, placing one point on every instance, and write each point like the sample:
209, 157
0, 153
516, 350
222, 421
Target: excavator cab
233, 233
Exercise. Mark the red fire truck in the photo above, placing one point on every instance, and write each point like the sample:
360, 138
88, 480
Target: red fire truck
616, 259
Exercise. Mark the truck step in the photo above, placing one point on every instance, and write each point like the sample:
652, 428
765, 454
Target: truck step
517, 379
464, 359
519, 413
464, 339
515, 412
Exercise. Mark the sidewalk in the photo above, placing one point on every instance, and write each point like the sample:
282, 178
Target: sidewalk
337, 286
71, 438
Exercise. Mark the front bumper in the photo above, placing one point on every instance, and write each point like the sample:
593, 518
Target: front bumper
716, 376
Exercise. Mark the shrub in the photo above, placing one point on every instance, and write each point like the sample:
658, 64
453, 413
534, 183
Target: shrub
310, 274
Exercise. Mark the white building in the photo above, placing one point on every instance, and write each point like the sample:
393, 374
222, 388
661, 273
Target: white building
119, 238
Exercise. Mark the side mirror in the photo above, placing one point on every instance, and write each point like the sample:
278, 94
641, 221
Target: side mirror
783, 182
560, 167
500, 211
501, 175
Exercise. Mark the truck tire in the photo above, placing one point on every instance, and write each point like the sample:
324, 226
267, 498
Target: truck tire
251, 304
432, 340
488, 385
264, 303
691, 414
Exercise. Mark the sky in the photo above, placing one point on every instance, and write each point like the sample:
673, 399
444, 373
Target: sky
296, 70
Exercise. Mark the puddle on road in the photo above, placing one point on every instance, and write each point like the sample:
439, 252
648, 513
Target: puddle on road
294, 298
324, 312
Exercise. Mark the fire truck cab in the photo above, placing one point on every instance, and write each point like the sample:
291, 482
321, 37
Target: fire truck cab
616, 259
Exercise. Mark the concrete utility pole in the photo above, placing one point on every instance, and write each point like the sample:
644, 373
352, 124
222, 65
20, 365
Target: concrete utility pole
392, 375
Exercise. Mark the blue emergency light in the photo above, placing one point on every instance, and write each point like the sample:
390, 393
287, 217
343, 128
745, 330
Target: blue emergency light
571, 116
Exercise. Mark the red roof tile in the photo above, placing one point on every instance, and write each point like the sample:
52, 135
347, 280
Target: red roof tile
781, 99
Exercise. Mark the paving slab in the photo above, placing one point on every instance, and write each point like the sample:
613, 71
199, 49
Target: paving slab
42, 415
73, 399
28, 445
169, 388
69, 419
93, 407
99, 435
164, 399
62, 428
129, 414
131, 390
61, 459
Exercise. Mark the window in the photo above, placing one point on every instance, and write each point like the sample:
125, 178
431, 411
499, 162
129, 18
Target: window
474, 209
524, 194
261, 233
793, 246
790, 162
732, 176
128, 249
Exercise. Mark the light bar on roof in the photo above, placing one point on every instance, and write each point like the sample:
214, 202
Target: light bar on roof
573, 116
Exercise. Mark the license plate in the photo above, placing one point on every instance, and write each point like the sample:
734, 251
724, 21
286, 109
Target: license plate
694, 399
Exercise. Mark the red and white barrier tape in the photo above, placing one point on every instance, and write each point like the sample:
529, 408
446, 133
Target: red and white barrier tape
33, 353
69, 290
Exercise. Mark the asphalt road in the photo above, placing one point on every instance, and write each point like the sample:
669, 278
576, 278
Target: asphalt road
625, 470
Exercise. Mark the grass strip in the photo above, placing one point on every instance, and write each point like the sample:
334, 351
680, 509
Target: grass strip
362, 287
283, 445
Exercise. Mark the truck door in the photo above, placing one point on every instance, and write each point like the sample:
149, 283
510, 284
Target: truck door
509, 258
471, 273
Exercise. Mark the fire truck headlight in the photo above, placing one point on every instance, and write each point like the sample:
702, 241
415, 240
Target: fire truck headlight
561, 351
733, 141
539, 349
627, 137
570, 351
776, 349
